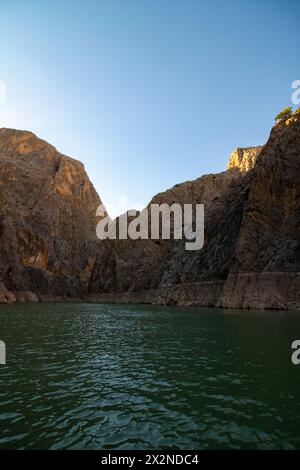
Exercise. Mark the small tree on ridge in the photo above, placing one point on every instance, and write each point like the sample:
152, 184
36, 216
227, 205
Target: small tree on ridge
284, 114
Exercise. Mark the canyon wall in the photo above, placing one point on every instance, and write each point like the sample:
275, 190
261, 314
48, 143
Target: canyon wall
251, 252
250, 257
266, 264
47, 221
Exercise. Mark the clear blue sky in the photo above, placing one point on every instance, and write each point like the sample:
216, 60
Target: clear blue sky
147, 93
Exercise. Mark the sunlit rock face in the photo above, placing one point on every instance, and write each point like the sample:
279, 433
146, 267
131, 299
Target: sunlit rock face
244, 159
47, 219
250, 258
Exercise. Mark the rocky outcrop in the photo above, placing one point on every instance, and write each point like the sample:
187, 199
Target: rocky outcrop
266, 264
273, 290
6, 297
47, 220
250, 258
244, 159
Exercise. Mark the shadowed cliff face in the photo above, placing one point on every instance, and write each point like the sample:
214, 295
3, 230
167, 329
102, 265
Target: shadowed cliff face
139, 265
47, 219
250, 258
270, 229
266, 265
129, 267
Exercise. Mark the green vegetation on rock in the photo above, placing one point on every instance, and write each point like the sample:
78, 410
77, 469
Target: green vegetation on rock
285, 114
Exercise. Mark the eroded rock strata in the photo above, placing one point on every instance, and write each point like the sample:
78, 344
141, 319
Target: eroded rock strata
47, 221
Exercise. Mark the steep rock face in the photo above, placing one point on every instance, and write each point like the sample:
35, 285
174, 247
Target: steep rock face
158, 270
266, 268
253, 242
244, 159
135, 266
47, 219
197, 277
250, 258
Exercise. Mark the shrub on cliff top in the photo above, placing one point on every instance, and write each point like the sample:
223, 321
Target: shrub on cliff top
284, 114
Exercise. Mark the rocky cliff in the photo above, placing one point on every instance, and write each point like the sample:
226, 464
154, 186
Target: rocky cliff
47, 221
266, 265
135, 266
251, 252
250, 258
244, 159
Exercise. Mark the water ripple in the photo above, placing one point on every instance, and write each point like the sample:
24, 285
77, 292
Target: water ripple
89, 376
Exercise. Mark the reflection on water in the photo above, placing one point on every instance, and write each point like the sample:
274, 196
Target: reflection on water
88, 376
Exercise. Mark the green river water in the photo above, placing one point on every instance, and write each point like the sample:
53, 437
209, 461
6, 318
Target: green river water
95, 376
